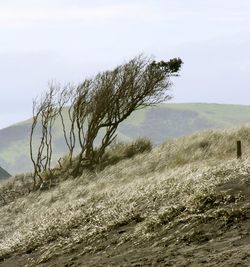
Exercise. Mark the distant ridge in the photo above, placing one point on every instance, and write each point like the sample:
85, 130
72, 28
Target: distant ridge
4, 174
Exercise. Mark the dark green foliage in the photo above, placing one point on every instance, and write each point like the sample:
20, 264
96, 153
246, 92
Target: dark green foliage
171, 66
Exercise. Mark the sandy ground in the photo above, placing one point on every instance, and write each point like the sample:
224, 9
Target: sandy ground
229, 247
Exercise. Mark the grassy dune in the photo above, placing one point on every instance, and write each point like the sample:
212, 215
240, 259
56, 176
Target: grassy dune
185, 203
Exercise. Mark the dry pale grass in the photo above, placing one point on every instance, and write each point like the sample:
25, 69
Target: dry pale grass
176, 182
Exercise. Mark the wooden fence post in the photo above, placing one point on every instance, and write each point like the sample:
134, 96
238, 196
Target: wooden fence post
239, 152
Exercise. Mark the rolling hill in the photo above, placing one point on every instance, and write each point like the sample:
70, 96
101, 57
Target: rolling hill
185, 203
159, 123
4, 174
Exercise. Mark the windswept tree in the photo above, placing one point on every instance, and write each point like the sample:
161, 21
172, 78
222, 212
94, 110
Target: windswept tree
97, 106
45, 113
113, 95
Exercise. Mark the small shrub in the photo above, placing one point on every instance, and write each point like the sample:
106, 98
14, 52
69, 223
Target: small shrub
139, 146
122, 151
203, 144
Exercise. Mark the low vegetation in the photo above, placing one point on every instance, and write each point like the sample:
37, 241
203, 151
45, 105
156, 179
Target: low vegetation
189, 196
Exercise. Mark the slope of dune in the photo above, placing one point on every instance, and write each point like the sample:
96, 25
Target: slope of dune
185, 203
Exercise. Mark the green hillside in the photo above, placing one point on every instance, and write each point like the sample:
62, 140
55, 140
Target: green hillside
158, 123
4, 174
185, 203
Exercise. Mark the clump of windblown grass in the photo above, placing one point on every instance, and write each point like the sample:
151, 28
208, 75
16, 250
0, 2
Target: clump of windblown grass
122, 151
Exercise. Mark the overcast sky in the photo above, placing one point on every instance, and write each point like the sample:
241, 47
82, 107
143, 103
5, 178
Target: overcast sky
68, 40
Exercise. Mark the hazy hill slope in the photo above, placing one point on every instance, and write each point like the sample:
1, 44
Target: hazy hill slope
186, 203
158, 123
3, 174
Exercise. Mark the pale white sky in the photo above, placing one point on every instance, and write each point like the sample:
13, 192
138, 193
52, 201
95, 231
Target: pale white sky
67, 40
